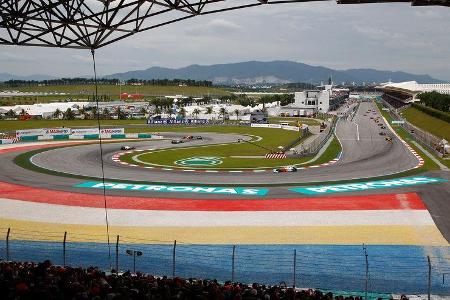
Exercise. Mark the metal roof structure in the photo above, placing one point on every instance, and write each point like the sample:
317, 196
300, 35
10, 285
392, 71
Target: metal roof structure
91, 24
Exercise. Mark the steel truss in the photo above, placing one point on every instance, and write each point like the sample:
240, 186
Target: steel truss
91, 24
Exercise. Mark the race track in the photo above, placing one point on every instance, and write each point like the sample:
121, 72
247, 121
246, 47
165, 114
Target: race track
399, 221
365, 154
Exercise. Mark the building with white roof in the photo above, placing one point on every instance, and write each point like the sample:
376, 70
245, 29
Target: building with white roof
410, 89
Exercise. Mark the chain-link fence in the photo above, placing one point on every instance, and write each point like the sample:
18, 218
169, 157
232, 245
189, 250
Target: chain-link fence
390, 269
419, 135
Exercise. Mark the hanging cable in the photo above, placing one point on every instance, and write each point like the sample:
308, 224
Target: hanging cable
101, 158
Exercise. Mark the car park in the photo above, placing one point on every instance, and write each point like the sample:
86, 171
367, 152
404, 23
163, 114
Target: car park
127, 148
285, 169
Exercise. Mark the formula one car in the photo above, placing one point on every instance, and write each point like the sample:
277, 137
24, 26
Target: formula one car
382, 133
198, 137
285, 169
127, 148
176, 141
389, 139
188, 137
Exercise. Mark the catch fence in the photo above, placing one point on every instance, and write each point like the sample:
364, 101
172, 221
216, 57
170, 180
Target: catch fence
398, 269
425, 138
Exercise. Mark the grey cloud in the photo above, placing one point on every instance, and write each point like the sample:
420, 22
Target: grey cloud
393, 37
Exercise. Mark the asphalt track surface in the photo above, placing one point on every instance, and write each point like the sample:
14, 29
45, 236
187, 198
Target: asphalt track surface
368, 155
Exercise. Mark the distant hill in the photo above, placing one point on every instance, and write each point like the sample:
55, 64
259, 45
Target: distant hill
38, 77
253, 72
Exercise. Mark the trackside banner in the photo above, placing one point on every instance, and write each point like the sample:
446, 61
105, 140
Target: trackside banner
56, 131
173, 188
67, 131
278, 126
29, 132
362, 186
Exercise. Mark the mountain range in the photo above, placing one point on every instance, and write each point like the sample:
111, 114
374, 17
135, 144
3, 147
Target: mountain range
256, 72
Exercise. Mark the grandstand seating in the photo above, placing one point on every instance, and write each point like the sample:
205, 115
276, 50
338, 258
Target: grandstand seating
27, 280
397, 100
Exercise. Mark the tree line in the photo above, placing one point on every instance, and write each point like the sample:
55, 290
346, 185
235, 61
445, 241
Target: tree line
106, 81
435, 100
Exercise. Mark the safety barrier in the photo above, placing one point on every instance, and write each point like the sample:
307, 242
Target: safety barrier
421, 136
320, 140
81, 137
353, 267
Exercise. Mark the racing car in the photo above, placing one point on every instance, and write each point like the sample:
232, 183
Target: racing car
176, 141
285, 169
127, 148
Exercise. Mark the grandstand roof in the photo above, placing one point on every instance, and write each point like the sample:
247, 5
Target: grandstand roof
412, 87
91, 24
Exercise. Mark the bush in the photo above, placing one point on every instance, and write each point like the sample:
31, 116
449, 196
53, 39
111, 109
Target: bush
433, 112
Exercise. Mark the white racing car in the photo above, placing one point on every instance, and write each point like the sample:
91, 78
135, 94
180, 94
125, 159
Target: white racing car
285, 169
127, 148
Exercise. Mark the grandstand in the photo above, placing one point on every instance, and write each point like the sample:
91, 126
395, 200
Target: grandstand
28, 280
402, 93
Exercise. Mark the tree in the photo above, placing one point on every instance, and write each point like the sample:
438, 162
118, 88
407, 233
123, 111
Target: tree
265, 100
82, 112
182, 112
196, 112
11, 114
237, 112
209, 110
206, 99
157, 111
223, 112
121, 115
68, 114
106, 114
57, 113
95, 113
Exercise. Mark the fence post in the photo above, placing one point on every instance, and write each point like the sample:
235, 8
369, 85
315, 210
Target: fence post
64, 248
367, 272
174, 257
295, 268
429, 278
7, 243
232, 263
117, 254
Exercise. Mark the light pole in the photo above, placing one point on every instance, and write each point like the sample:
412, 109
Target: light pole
134, 253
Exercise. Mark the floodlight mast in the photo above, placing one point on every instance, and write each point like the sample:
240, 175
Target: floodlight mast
92, 24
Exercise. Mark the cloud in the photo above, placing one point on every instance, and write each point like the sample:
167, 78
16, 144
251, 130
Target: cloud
382, 36
214, 27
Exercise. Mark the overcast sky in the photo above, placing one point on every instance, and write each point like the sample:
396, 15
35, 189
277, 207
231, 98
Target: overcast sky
381, 36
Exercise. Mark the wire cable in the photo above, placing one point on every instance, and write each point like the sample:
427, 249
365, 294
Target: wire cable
101, 158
